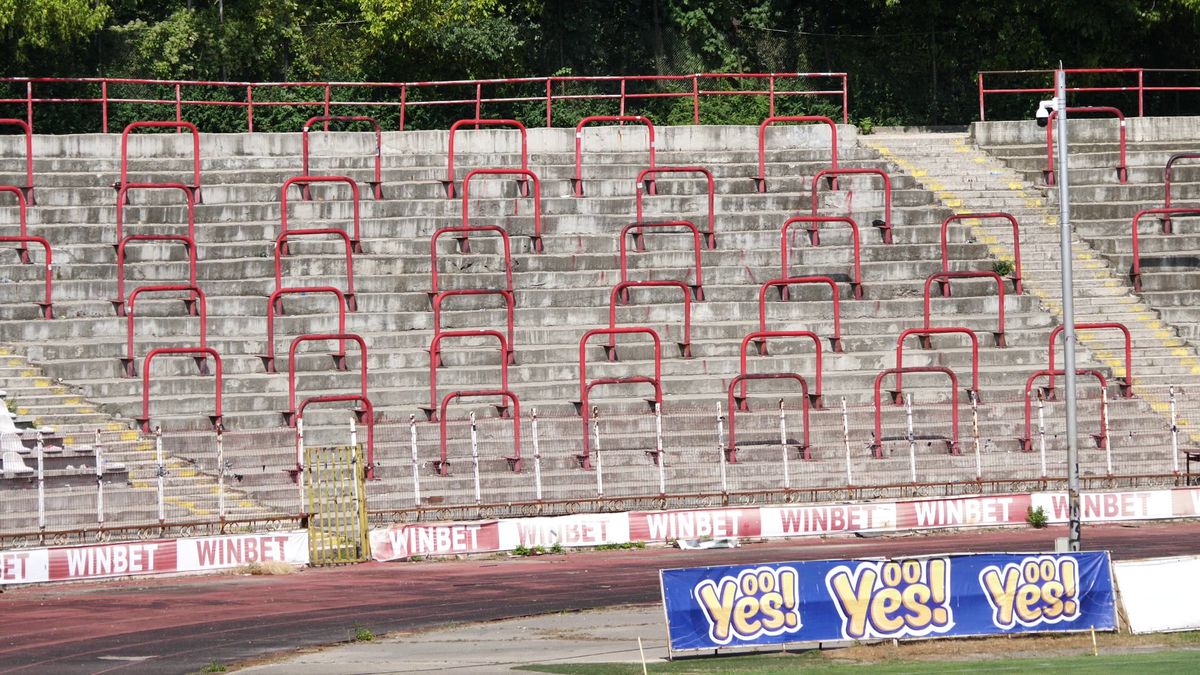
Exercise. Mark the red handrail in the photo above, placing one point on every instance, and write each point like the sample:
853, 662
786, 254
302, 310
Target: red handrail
527, 175
464, 247
289, 415
509, 305
577, 181
365, 415
685, 346
189, 245
736, 402
377, 184
281, 250
199, 354
276, 300
1122, 171
1140, 86
760, 181
639, 245
1127, 380
304, 182
24, 216
27, 188
711, 240
924, 335
877, 442
813, 222
194, 188
515, 460
1135, 275
885, 225
1016, 274
435, 360
835, 341
945, 277
448, 182
585, 386
1027, 440
1168, 175
197, 299
760, 337
46, 306
123, 201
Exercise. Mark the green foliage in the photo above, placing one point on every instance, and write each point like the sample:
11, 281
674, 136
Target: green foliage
522, 550
1003, 267
41, 24
622, 547
1036, 517
557, 548
363, 634
214, 667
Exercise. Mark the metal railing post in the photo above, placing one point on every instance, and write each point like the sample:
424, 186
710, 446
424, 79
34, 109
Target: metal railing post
412, 436
475, 458
537, 458
846, 441
549, 93
160, 471
99, 457
1042, 430
104, 105
721, 450
221, 469
596, 451
1107, 440
403, 104
41, 489
300, 462
250, 108
29, 104
178, 106
975, 431
912, 441
658, 448
787, 478
695, 99
1174, 433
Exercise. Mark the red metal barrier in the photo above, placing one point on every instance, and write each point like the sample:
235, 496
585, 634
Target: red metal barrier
377, 184
189, 245
1138, 86
1135, 274
645, 178
123, 201
200, 354
1122, 171
1168, 177
443, 466
364, 414
304, 182
835, 341
46, 306
509, 304
536, 240
947, 276
924, 335
27, 188
275, 305
448, 183
289, 416
685, 346
464, 246
885, 225
813, 222
24, 222
1027, 440
585, 386
759, 338
1125, 383
760, 181
958, 217
281, 250
577, 181
877, 442
740, 402
638, 230
194, 188
435, 361
196, 299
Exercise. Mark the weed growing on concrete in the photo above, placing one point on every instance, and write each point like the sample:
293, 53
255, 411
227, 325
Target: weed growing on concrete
1003, 267
1036, 517
557, 548
213, 667
363, 634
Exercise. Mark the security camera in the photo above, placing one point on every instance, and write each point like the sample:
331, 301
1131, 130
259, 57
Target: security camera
1043, 111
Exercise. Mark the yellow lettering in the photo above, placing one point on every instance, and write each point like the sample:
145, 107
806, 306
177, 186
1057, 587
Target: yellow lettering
919, 614
745, 610
1002, 592
719, 609
1027, 599
772, 617
1052, 592
883, 606
855, 600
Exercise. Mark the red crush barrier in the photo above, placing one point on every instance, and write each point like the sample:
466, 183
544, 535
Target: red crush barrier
885, 225
577, 181
196, 299
1135, 275
289, 416
377, 184
1122, 172
759, 338
276, 301
645, 178
760, 181
685, 346
47, 306
959, 217
924, 334
585, 386
638, 230
509, 305
304, 182
435, 361
27, 188
947, 276
877, 442
200, 354
448, 183
835, 341
123, 201
813, 222
1168, 176
364, 414
464, 246
1027, 440
189, 245
443, 466
281, 250
740, 402
24, 222
527, 175
194, 188
1126, 382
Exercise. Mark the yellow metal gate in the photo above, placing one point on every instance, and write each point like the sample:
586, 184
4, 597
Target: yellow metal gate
335, 489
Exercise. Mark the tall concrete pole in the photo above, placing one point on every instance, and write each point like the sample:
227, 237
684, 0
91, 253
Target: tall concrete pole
1068, 294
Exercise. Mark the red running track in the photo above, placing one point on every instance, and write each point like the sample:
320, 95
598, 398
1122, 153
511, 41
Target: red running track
180, 624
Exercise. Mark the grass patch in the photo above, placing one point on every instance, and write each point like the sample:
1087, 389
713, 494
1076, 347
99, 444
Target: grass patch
213, 667
363, 634
269, 568
621, 547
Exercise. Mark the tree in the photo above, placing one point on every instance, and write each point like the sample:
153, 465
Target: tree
40, 24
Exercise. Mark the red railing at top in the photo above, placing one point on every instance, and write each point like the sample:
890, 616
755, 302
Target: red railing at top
1125, 80
550, 90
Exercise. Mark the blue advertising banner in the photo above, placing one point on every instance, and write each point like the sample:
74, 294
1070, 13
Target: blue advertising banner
951, 595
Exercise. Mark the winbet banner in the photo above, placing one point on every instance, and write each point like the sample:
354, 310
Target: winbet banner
951, 595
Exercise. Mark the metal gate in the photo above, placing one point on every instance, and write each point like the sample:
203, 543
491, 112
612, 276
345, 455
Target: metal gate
335, 491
